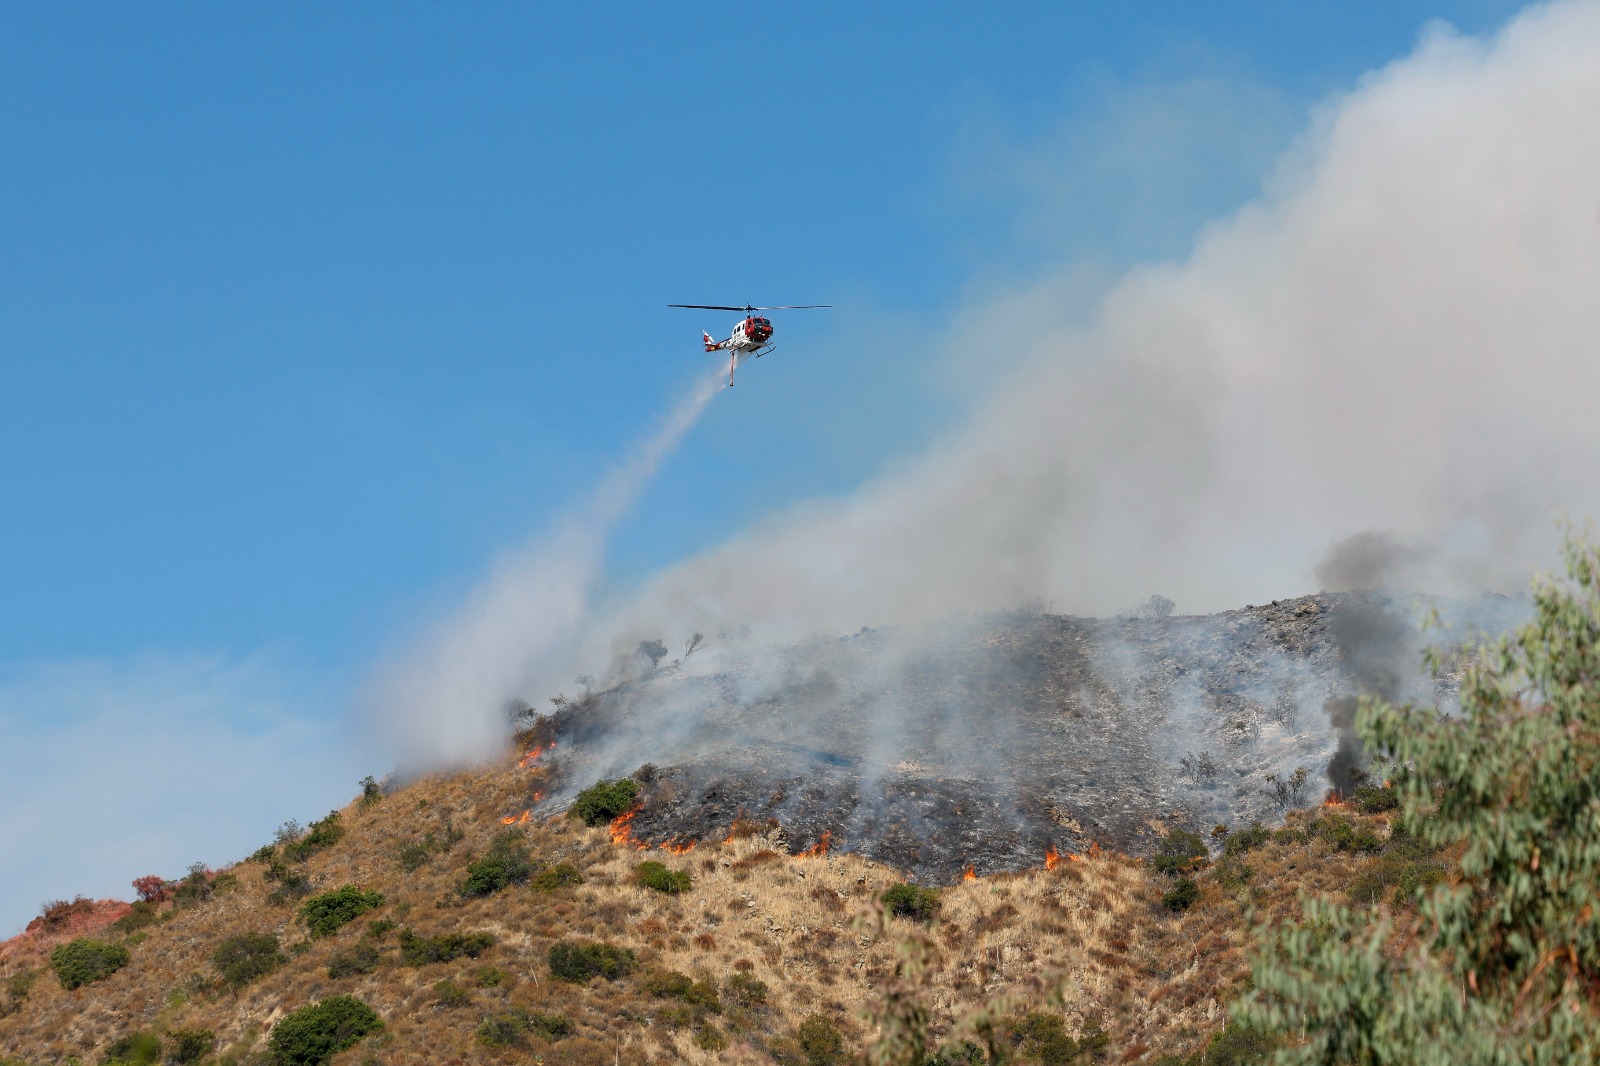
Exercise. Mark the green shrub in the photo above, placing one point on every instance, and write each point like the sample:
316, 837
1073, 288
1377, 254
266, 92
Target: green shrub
1371, 799
669, 984
312, 1035
189, 1045
245, 957
507, 1028
746, 991
20, 984
413, 856
561, 875
135, 1049
195, 888
292, 884
491, 977
362, 958
322, 834
1244, 840
504, 1029
820, 1041
1343, 836
1043, 1038
1182, 895
550, 1026
1395, 876
710, 1038
579, 960
83, 961
605, 800
447, 993
371, 791
507, 862
1180, 852
223, 883
264, 854
446, 947
909, 901
379, 928
652, 874
1236, 1045
326, 913
143, 914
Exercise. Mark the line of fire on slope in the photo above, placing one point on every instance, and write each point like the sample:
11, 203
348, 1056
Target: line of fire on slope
990, 744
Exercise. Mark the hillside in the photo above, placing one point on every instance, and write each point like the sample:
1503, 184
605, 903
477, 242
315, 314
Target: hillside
767, 943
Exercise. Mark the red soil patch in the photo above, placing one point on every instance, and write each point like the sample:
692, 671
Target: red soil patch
61, 922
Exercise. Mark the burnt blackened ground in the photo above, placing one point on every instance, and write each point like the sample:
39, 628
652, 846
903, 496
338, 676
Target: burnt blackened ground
988, 743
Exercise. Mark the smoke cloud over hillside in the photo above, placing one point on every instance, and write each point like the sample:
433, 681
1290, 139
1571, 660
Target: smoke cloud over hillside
1392, 347
1397, 337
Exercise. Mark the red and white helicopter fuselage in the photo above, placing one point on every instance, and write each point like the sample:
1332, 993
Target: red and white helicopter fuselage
753, 336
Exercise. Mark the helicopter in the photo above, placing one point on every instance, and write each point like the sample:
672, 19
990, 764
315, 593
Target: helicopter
753, 336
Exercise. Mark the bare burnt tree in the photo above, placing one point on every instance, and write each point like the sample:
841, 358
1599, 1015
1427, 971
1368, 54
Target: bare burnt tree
1289, 793
1156, 607
693, 644
654, 650
1199, 767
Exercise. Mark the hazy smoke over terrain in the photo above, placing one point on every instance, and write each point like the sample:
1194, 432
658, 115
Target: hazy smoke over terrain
1397, 336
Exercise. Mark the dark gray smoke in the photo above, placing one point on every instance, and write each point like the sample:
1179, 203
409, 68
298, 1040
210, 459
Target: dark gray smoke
1382, 652
1372, 559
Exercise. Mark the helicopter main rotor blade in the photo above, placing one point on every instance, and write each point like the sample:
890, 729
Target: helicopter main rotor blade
749, 307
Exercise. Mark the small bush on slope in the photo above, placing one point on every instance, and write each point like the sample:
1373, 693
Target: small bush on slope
578, 961
312, 1035
1504, 962
321, 834
135, 1049
605, 800
1180, 852
362, 958
190, 1045
909, 901
652, 874
507, 862
561, 875
446, 947
326, 913
83, 961
244, 958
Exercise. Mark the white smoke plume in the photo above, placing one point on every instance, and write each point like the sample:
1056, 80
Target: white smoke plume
1399, 335
443, 701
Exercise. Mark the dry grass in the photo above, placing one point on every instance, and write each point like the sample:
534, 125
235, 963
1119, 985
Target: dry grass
1155, 982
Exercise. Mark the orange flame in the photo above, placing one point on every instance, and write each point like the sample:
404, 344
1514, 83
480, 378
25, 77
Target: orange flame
969, 874
819, 848
522, 819
1335, 798
622, 832
1051, 857
678, 847
533, 756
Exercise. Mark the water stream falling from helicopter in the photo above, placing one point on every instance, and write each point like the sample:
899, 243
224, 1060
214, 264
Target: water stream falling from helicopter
442, 700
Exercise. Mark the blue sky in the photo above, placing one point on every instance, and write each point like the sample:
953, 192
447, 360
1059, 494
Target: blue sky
306, 314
